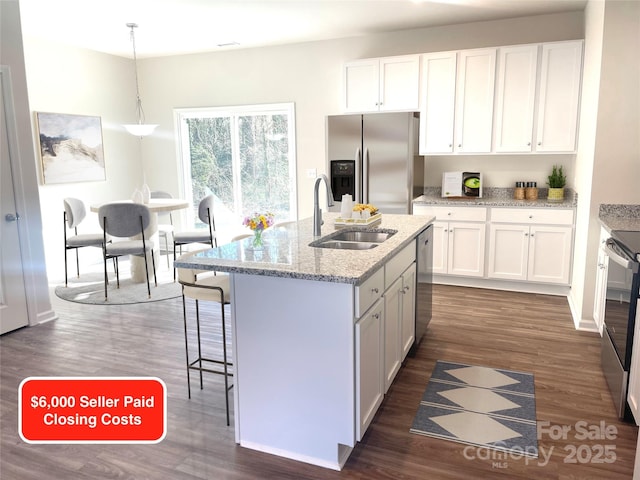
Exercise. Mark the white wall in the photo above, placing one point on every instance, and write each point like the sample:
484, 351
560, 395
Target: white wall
68, 80
608, 163
71, 80
581, 282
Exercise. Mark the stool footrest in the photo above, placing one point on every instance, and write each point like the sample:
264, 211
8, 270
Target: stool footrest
193, 366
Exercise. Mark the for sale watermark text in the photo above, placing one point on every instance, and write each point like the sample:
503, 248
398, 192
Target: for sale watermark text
589, 443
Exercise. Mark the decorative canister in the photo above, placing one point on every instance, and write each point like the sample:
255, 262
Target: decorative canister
518, 192
531, 191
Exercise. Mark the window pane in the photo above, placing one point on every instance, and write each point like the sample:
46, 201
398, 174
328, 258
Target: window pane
264, 164
245, 156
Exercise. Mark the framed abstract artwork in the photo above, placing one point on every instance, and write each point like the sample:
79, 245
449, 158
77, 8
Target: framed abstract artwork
70, 148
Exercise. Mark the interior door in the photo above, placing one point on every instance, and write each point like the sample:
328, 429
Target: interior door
13, 300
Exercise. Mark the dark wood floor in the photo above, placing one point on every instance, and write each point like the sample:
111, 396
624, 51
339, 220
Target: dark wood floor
524, 332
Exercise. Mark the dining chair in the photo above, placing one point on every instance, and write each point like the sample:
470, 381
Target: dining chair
74, 213
203, 235
164, 229
126, 220
204, 285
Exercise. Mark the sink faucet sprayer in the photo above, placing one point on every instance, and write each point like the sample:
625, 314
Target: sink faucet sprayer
317, 213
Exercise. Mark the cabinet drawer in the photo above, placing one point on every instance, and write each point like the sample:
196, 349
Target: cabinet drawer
369, 292
460, 214
398, 264
536, 216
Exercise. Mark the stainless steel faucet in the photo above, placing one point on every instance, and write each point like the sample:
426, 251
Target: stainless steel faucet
317, 213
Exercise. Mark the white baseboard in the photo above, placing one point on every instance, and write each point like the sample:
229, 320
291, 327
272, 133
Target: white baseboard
46, 316
510, 286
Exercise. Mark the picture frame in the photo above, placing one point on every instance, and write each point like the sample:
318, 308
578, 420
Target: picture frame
70, 147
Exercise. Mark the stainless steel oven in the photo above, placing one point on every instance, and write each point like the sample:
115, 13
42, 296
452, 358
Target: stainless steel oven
622, 293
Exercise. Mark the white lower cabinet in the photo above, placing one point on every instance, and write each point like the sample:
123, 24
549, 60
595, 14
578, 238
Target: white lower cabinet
532, 253
537, 251
458, 239
399, 323
458, 248
601, 288
633, 394
369, 373
384, 332
392, 313
533, 245
408, 317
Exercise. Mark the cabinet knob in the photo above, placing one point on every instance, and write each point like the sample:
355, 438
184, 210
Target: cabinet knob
526, 234
532, 235
450, 145
459, 145
376, 315
528, 144
405, 289
539, 143
374, 290
449, 213
530, 216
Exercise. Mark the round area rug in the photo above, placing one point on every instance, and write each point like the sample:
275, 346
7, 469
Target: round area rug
89, 289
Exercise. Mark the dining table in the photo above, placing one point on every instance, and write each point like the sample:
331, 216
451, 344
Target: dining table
156, 206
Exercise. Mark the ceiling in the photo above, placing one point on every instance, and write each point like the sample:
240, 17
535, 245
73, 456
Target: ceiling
172, 27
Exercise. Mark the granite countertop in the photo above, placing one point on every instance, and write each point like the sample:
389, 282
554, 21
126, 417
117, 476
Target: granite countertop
286, 251
497, 197
620, 217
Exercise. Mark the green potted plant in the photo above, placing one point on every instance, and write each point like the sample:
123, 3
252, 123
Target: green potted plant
556, 181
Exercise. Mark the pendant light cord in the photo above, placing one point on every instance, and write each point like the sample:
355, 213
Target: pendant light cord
139, 110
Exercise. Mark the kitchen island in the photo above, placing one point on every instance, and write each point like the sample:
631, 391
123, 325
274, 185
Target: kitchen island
318, 334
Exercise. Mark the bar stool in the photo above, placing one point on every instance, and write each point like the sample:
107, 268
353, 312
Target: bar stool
203, 285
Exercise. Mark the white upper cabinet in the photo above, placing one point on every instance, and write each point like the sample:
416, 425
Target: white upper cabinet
382, 84
474, 100
456, 111
361, 85
515, 98
512, 99
559, 96
438, 102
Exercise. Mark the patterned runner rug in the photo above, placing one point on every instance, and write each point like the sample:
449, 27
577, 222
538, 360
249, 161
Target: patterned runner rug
481, 406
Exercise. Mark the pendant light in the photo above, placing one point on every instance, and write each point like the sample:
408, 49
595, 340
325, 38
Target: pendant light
139, 129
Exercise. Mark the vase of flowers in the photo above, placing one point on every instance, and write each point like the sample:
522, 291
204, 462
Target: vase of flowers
258, 223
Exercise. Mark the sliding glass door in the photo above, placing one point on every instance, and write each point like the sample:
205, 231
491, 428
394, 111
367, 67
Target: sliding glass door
245, 156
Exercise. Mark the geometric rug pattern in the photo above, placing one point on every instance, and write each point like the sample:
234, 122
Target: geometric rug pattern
481, 406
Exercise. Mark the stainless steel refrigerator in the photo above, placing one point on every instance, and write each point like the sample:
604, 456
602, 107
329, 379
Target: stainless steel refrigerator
374, 157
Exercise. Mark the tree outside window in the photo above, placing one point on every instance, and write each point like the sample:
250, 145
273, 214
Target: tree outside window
245, 156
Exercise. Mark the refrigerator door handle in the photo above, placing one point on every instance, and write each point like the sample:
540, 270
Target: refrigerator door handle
365, 177
358, 160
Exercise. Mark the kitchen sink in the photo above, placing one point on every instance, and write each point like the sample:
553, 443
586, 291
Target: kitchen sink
354, 239
362, 236
346, 245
